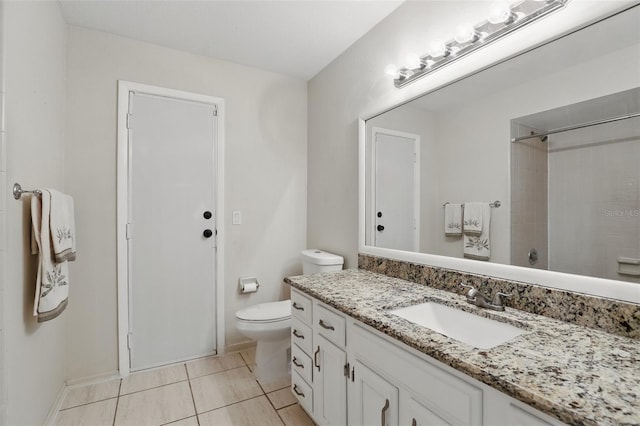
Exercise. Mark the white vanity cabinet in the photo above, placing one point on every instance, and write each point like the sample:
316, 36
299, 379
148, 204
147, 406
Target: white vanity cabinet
362, 377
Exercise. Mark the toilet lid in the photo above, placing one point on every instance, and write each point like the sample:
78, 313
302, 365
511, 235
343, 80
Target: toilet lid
266, 311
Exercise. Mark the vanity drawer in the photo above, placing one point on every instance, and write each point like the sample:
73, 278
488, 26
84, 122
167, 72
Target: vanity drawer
302, 391
301, 335
301, 306
301, 363
330, 324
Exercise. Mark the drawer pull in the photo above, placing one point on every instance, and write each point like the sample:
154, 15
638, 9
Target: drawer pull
296, 363
299, 336
324, 325
383, 414
295, 389
295, 306
414, 422
315, 358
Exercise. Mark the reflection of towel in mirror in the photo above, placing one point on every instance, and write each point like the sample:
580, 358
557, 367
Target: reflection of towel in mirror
472, 218
52, 282
453, 220
479, 246
63, 229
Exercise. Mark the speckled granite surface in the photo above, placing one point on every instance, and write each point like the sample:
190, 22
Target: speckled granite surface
599, 313
578, 375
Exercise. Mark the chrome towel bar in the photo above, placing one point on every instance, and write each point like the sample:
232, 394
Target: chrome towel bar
18, 191
495, 204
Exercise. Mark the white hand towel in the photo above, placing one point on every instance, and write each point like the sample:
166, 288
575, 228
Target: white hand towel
473, 218
62, 224
479, 247
453, 220
52, 282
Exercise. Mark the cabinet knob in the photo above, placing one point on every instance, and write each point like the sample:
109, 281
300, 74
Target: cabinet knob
380, 228
207, 233
207, 214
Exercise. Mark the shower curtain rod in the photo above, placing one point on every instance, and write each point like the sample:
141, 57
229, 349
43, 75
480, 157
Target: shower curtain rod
577, 126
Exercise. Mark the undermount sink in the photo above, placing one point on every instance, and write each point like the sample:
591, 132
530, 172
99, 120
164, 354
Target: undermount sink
474, 330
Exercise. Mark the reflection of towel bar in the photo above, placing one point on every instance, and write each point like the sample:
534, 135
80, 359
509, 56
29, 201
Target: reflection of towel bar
18, 191
495, 204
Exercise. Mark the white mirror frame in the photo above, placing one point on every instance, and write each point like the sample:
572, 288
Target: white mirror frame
577, 15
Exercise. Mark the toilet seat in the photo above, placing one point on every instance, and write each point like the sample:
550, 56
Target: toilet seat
266, 312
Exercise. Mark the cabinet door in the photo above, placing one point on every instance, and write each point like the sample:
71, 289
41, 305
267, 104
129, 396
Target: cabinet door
413, 413
329, 383
373, 400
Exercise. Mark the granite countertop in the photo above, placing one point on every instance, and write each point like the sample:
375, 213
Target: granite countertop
573, 373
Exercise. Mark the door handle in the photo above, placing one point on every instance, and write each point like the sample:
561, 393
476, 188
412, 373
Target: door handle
296, 363
315, 358
295, 389
207, 233
380, 228
383, 414
325, 326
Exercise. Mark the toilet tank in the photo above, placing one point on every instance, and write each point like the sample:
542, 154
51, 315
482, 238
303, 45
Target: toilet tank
318, 261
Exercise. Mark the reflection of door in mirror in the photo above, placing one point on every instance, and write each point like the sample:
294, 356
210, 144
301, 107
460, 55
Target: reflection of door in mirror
396, 189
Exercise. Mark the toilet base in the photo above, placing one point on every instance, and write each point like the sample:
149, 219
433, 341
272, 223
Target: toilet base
272, 360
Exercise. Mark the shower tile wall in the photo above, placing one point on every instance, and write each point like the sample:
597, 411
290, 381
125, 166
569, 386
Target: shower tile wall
594, 199
529, 182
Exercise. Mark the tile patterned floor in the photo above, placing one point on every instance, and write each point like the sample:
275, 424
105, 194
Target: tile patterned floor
219, 390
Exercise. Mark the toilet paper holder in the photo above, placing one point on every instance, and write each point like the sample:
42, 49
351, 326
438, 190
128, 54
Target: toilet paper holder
248, 285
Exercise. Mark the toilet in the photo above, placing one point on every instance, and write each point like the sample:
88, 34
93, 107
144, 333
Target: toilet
269, 324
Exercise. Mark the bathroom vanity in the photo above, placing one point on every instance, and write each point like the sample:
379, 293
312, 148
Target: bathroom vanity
357, 360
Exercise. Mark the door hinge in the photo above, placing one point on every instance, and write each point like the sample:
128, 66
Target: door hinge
346, 370
129, 231
215, 110
129, 121
129, 340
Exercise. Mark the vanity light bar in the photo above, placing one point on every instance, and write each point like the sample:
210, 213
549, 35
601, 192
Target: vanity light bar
499, 24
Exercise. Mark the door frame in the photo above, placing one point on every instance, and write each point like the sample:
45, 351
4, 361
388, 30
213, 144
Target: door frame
416, 183
122, 208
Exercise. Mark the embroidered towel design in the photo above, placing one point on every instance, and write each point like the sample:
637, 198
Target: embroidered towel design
478, 247
52, 281
453, 220
473, 218
62, 226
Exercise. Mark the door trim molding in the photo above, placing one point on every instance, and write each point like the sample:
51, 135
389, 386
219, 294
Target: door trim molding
416, 182
122, 206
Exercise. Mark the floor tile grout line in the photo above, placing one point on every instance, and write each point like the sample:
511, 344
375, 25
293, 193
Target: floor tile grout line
218, 372
233, 403
193, 399
275, 409
115, 412
87, 403
154, 387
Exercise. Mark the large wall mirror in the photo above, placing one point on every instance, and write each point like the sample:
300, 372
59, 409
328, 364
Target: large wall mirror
566, 199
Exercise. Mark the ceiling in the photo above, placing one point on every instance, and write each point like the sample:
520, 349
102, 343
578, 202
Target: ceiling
295, 37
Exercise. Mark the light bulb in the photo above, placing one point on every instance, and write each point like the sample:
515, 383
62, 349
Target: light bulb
499, 12
437, 49
391, 70
465, 33
412, 61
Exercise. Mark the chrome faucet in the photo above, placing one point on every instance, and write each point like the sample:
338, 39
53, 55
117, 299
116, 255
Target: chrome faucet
476, 298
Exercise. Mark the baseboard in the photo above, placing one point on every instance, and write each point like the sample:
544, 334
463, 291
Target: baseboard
50, 420
92, 380
237, 347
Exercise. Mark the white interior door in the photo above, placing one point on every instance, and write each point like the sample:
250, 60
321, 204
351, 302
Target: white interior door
171, 256
396, 183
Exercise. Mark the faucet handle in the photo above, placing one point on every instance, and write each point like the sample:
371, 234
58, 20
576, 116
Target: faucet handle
497, 299
472, 290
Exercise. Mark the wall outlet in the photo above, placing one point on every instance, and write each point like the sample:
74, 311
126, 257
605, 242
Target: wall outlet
236, 217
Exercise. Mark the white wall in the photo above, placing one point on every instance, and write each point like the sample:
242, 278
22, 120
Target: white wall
265, 178
34, 36
354, 85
